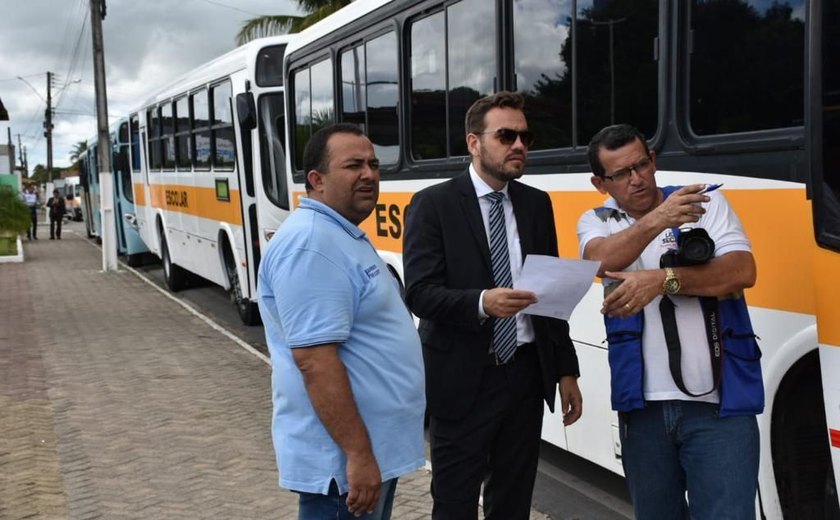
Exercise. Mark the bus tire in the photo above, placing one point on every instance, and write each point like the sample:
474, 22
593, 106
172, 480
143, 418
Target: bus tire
174, 276
135, 260
248, 310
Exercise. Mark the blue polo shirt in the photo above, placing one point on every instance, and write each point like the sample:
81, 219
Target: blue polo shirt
321, 281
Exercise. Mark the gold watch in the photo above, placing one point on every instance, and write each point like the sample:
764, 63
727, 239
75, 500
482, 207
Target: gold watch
671, 285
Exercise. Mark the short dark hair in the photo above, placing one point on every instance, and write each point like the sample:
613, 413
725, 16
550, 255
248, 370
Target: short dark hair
474, 120
316, 155
612, 138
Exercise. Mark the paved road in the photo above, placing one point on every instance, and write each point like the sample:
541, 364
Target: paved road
117, 402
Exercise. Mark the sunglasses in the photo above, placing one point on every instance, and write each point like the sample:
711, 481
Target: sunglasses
507, 137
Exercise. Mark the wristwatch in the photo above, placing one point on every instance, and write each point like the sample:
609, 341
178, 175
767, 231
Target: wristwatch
671, 285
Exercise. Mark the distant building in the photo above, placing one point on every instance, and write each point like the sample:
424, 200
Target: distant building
8, 173
7, 158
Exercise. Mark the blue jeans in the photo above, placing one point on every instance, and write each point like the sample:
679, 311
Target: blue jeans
332, 506
673, 447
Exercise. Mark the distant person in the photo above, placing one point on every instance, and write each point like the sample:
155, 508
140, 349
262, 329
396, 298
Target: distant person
685, 366
57, 208
489, 366
30, 197
347, 379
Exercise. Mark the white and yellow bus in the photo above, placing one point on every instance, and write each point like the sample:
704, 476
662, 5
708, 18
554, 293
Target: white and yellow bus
720, 88
208, 168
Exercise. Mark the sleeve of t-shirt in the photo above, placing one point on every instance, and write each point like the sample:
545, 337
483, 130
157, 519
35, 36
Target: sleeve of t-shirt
724, 226
314, 298
590, 226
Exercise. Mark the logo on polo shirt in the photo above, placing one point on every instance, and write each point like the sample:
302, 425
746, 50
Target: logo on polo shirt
372, 271
669, 241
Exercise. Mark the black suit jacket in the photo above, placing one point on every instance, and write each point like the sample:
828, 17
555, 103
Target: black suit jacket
447, 264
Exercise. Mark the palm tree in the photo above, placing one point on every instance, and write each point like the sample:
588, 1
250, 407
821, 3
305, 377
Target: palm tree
77, 151
314, 10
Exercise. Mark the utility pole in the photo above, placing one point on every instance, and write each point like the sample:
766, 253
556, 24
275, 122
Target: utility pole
106, 175
11, 151
22, 158
48, 127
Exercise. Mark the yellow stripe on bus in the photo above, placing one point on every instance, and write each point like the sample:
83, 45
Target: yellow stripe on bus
190, 200
777, 221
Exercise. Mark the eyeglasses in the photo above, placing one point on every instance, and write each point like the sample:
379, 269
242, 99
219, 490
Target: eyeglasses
643, 166
507, 136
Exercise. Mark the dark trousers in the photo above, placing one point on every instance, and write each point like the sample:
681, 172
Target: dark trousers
497, 443
55, 227
33, 232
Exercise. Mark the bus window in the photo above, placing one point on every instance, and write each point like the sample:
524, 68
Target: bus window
353, 86
770, 39
183, 153
167, 138
201, 129
616, 69
453, 63
471, 37
428, 88
369, 88
121, 162
135, 143
152, 116
543, 69
272, 129
270, 66
616, 74
314, 104
224, 151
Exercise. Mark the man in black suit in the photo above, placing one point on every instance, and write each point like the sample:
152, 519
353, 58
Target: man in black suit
484, 402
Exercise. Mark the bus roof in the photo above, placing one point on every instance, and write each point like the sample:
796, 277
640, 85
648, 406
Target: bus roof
340, 18
236, 59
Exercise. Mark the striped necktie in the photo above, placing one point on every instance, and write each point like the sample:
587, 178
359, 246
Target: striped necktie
504, 330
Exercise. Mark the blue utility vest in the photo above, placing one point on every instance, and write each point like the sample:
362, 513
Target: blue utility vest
741, 386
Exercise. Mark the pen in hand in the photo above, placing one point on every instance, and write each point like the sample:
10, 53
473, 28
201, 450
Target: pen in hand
709, 188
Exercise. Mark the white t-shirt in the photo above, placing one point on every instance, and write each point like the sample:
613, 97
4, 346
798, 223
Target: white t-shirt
724, 227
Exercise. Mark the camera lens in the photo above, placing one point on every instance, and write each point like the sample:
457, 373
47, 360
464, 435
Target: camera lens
697, 249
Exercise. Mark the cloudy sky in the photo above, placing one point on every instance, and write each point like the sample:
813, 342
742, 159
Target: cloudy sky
147, 43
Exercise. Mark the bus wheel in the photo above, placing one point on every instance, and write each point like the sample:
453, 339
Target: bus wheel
135, 260
249, 312
175, 277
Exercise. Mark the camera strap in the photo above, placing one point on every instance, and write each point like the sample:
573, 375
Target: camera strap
672, 339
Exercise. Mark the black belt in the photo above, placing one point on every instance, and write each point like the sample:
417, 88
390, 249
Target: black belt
493, 359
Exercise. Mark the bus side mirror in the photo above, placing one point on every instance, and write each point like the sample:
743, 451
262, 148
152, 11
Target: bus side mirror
246, 111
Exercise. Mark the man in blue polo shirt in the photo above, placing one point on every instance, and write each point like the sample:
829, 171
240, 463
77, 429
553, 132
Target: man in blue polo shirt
348, 380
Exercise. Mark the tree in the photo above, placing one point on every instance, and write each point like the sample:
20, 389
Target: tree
77, 151
314, 10
39, 174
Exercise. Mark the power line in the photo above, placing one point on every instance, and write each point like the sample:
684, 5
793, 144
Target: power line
232, 8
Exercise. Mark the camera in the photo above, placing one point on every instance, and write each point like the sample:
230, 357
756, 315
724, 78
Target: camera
694, 247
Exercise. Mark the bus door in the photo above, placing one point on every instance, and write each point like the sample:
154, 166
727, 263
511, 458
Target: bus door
128, 233
271, 163
269, 157
139, 182
262, 128
824, 144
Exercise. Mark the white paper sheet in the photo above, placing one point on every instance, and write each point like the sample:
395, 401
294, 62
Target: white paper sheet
559, 283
